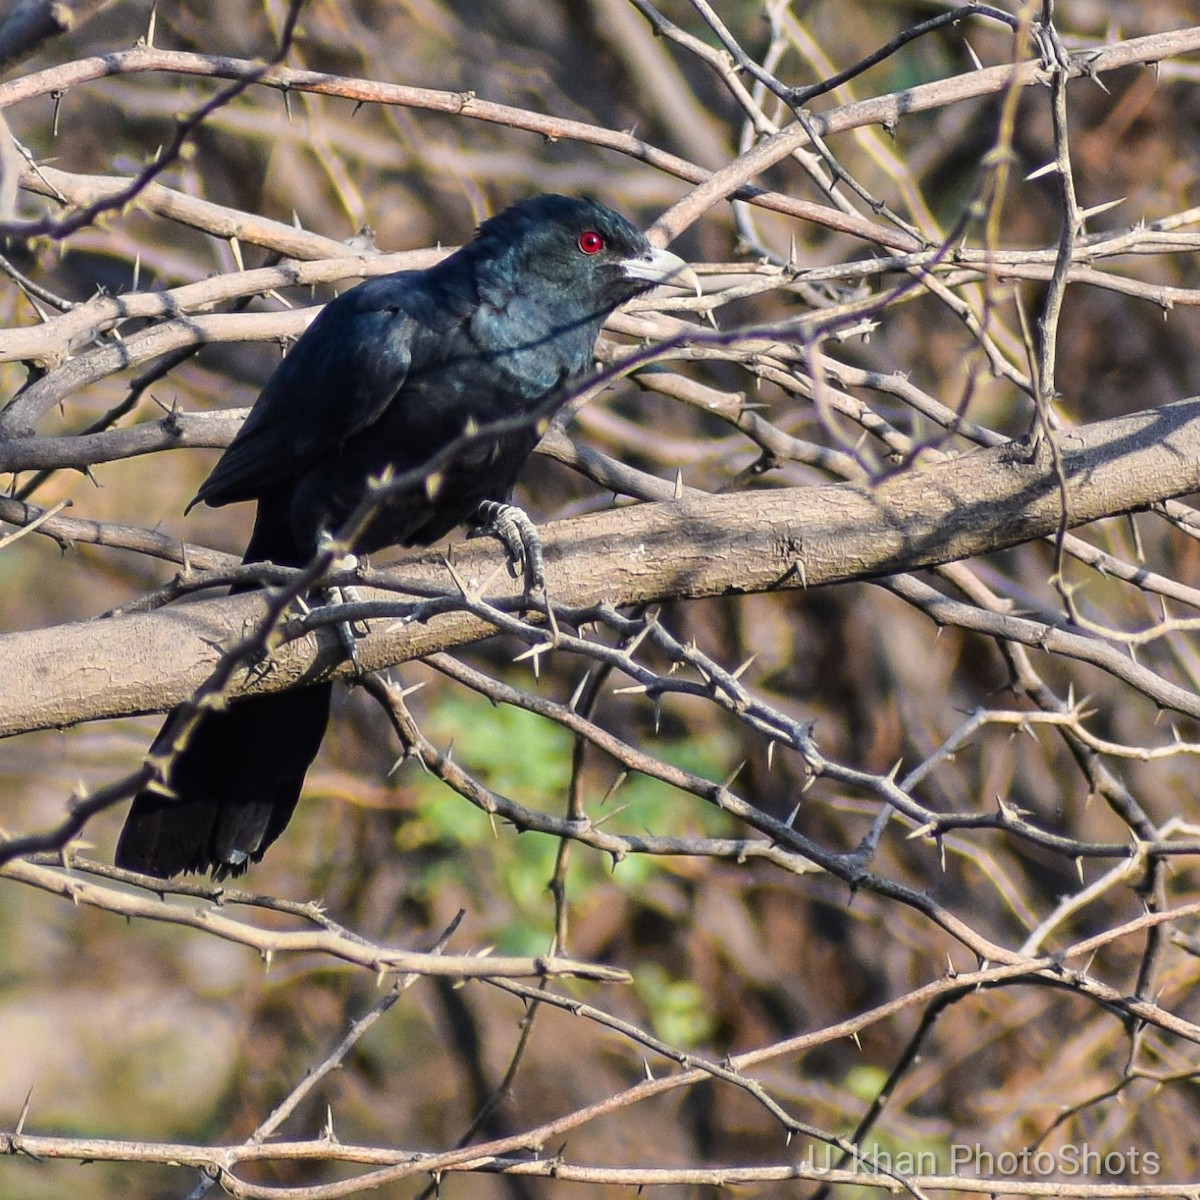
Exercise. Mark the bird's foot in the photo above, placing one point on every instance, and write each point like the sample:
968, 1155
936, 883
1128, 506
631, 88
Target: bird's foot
512, 527
349, 632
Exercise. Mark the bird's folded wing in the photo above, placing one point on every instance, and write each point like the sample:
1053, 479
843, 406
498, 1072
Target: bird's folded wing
340, 376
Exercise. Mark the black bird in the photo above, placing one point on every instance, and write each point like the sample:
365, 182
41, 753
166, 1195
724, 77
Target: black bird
390, 374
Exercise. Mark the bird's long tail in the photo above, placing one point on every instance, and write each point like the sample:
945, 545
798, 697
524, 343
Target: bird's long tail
234, 787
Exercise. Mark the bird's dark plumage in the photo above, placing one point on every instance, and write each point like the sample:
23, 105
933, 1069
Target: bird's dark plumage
389, 375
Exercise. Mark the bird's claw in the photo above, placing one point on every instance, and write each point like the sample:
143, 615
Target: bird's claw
349, 632
518, 535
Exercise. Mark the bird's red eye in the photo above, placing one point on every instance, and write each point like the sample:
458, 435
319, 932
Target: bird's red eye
590, 242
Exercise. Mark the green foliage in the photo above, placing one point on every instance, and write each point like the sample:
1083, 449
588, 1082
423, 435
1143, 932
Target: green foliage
680, 1010
485, 737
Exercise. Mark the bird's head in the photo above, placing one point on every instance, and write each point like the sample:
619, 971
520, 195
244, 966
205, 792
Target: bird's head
593, 254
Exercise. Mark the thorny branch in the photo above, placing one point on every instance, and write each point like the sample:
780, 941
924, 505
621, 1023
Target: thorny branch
909, 761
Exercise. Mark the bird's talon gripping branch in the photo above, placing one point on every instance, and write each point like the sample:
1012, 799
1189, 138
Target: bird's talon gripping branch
349, 632
511, 526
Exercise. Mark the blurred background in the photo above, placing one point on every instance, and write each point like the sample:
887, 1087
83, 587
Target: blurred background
150, 1032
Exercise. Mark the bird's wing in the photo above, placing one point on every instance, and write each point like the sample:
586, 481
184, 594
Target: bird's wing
345, 370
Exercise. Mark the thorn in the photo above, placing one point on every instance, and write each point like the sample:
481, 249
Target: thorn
459, 581
733, 775
396, 625
491, 578
616, 812
552, 621
1099, 208
641, 635
738, 673
535, 652
1095, 77
1049, 169
235, 248
577, 694
151, 24
612, 787
678, 485
24, 1113
43, 314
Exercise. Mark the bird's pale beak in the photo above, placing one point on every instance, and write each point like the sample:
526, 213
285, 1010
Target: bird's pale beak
661, 266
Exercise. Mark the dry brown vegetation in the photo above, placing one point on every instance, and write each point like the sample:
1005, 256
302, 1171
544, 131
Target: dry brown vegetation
857, 782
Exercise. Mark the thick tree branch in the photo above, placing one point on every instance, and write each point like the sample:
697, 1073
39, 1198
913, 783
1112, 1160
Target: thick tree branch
747, 542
